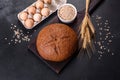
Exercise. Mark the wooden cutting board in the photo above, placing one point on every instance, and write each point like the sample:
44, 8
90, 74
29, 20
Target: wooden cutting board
57, 67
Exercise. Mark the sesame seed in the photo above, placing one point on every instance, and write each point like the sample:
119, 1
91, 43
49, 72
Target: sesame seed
112, 53
9, 43
110, 41
5, 38
18, 35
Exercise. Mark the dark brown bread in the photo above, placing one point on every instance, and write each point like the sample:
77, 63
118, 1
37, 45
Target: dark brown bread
56, 42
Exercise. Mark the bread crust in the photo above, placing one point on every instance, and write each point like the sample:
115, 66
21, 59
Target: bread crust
56, 42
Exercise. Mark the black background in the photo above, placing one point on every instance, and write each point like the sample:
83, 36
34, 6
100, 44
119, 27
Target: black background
17, 63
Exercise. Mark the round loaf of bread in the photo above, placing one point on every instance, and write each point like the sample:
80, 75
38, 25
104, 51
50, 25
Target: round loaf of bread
56, 42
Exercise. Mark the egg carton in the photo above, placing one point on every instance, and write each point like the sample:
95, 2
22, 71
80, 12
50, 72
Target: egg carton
55, 4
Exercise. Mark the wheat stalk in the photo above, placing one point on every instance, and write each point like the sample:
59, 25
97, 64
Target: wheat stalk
87, 30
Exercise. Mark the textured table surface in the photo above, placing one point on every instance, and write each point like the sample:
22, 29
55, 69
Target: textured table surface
18, 63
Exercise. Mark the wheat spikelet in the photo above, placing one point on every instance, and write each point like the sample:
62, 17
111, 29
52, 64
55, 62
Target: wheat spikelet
86, 31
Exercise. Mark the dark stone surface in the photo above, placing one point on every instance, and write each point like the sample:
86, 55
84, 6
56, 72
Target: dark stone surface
17, 63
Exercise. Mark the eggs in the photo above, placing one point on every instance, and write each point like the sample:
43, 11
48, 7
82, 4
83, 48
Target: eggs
35, 13
31, 10
23, 16
29, 23
45, 12
39, 4
37, 17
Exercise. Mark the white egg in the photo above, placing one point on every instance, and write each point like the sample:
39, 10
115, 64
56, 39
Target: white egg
45, 12
23, 16
47, 1
37, 17
39, 4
